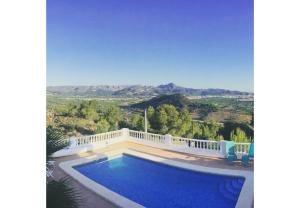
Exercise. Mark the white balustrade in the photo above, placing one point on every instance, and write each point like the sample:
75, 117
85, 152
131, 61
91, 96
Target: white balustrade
242, 148
193, 146
147, 136
207, 145
186, 145
98, 138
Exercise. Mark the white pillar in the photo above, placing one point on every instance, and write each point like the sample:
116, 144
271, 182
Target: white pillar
125, 133
223, 148
168, 140
73, 142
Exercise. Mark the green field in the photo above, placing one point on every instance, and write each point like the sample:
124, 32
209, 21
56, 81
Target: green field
225, 109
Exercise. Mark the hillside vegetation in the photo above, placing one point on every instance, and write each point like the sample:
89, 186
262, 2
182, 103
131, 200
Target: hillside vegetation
177, 100
171, 114
206, 109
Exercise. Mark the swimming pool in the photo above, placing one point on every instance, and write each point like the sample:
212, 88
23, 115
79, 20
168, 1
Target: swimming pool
153, 184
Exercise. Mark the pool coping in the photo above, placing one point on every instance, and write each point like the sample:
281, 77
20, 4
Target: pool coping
245, 198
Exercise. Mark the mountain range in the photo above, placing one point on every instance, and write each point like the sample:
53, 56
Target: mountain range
138, 91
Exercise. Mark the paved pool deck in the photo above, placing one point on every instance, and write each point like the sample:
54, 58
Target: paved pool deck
92, 200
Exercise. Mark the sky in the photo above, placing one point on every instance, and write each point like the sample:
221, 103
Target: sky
192, 43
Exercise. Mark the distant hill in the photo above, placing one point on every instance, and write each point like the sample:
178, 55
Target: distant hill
138, 91
178, 100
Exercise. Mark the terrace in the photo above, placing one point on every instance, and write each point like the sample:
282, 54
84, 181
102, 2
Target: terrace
202, 153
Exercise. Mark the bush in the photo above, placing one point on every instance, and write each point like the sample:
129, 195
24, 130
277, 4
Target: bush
238, 135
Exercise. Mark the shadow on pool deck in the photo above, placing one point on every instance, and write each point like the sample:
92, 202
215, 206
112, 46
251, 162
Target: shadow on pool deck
92, 200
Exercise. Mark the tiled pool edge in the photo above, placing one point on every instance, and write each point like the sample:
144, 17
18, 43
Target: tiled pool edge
246, 196
245, 199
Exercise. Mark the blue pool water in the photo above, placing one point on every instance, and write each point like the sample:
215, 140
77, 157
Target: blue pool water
157, 185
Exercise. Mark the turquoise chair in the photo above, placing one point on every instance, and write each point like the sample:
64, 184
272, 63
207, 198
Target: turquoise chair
246, 158
231, 156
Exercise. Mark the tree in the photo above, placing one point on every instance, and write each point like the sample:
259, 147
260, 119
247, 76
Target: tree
138, 122
184, 123
228, 127
238, 135
150, 114
113, 116
196, 131
252, 119
60, 194
88, 110
206, 134
219, 138
210, 130
72, 110
102, 126
54, 140
161, 120
166, 119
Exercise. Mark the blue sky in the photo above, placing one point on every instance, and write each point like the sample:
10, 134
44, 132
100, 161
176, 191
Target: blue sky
193, 43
